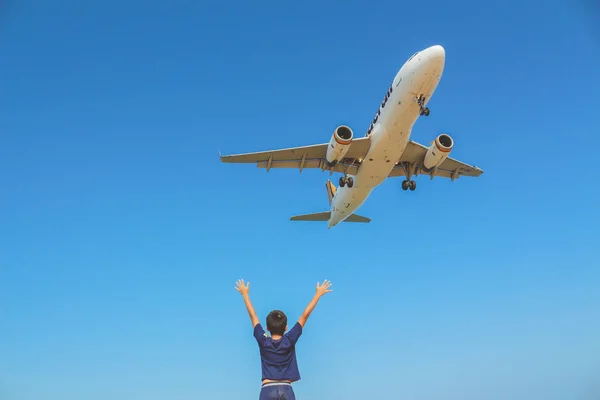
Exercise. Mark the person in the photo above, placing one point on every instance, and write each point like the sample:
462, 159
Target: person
278, 351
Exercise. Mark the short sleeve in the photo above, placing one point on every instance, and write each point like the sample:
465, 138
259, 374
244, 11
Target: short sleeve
259, 334
294, 334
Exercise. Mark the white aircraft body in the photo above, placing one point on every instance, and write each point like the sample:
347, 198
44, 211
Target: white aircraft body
386, 150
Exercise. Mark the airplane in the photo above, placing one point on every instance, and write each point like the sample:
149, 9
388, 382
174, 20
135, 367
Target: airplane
385, 151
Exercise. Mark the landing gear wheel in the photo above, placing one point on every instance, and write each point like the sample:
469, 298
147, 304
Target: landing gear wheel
342, 181
350, 182
421, 102
406, 184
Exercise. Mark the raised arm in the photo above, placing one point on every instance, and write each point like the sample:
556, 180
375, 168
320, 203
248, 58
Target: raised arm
321, 290
244, 289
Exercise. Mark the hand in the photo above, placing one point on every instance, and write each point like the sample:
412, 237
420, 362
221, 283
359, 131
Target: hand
323, 288
240, 287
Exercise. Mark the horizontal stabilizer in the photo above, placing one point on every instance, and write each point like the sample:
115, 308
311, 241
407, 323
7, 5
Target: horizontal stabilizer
357, 218
324, 216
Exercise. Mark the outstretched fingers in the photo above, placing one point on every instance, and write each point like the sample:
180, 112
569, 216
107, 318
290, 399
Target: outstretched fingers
240, 285
324, 287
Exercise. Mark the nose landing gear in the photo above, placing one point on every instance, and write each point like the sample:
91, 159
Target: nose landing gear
421, 102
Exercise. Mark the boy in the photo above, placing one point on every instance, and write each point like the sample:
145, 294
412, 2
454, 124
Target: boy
278, 352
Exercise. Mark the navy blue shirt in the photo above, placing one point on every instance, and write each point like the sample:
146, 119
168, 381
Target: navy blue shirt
278, 357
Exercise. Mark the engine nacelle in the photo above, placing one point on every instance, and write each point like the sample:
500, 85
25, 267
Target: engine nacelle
339, 144
438, 151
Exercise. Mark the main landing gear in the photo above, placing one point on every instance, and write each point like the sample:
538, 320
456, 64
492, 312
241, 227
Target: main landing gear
410, 171
346, 180
421, 102
406, 184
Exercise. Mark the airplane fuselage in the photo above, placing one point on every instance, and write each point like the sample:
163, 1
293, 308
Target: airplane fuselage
390, 130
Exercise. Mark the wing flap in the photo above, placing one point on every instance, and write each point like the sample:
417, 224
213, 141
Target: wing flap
310, 155
450, 168
294, 153
399, 171
313, 163
309, 164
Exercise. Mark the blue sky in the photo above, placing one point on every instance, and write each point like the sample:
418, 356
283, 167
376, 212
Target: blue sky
123, 235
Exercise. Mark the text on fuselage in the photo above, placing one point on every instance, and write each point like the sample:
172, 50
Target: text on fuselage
383, 103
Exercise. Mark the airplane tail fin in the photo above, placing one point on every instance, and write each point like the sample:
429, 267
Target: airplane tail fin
331, 190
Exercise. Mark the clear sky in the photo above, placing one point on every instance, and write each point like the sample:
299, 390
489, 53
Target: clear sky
123, 235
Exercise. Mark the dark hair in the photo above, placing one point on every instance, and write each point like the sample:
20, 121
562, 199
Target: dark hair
276, 322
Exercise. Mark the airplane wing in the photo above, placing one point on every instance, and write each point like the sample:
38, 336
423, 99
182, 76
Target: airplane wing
450, 168
312, 156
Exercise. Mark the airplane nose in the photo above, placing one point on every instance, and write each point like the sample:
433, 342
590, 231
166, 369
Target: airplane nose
438, 49
436, 52
428, 68
434, 58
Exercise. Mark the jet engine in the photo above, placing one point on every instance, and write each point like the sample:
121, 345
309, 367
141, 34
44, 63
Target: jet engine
438, 151
339, 144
